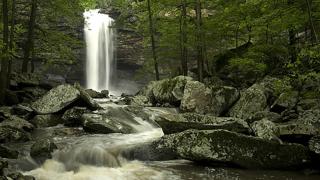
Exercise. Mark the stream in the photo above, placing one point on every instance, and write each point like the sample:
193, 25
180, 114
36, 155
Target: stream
82, 156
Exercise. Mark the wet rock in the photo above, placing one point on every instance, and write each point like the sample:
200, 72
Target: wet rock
95, 123
19, 176
87, 100
17, 122
125, 120
201, 99
233, 148
165, 91
251, 101
11, 134
271, 116
314, 144
96, 94
56, 99
140, 101
173, 123
286, 100
105, 93
42, 149
8, 153
72, 117
266, 129
48, 120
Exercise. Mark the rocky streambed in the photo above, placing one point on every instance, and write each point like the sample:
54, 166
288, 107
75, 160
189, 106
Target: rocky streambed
172, 129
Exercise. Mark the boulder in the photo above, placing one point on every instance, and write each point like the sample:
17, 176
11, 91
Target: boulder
105, 93
42, 149
173, 123
22, 111
8, 153
19, 176
140, 100
233, 148
271, 116
314, 144
87, 100
125, 120
19, 123
266, 129
95, 94
165, 91
196, 98
294, 128
201, 99
11, 134
251, 101
56, 99
26, 79
310, 117
95, 123
48, 120
72, 117
286, 100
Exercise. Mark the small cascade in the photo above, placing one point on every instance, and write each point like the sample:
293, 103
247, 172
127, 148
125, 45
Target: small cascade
100, 63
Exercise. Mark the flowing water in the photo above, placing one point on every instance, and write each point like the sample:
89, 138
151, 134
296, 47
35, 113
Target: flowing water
100, 50
82, 156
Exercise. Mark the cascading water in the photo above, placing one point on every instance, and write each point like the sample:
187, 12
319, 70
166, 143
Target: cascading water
99, 38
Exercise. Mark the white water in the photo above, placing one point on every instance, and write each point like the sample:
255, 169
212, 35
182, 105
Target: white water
99, 38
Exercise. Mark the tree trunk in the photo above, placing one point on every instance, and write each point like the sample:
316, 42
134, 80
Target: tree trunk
313, 30
199, 41
183, 38
12, 25
292, 40
30, 41
4, 62
153, 44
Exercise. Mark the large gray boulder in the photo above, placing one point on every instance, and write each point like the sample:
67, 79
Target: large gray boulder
165, 91
201, 99
233, 148
56, 99
173, 123
251, 101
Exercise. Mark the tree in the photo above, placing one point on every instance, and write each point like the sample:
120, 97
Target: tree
4, 58
29, 45
153, 44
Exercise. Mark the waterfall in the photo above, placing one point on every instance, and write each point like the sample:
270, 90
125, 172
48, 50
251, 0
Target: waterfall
100, 50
